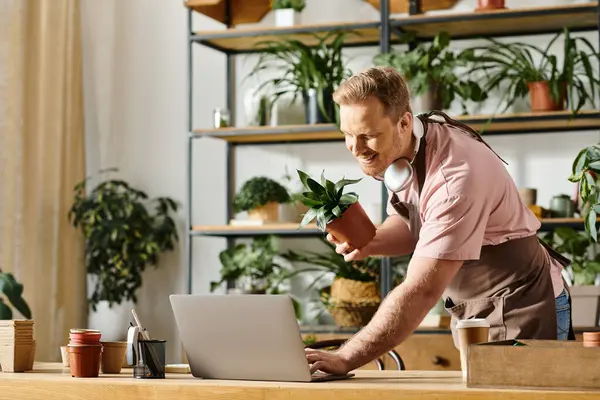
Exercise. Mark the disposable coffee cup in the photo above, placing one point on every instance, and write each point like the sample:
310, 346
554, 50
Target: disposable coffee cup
470, 331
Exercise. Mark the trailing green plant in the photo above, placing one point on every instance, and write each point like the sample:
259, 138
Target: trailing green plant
515, 64
300, 67
13, 292
583, 268
326, 200
330, 262
125, 231
257, 192
434, 67
585, 172
297, 5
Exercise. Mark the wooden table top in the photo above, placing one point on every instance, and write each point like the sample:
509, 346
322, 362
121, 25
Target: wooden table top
49, 381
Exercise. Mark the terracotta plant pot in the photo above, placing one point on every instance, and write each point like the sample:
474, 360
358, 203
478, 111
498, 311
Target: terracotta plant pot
84, 337
268, 213
113, 354
84, 360
354, 227
541, 100
485, 5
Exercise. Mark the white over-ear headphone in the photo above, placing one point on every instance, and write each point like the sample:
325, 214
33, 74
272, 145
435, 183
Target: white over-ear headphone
399, 174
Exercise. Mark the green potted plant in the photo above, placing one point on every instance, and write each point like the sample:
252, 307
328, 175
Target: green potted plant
584, 173
312, 71
13, 293
287, 12
549, 84
354, 295
260, 197
336, 212
125, 231
431, 74
254, 269
582, 272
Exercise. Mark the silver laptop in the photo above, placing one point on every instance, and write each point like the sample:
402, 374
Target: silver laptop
243, 337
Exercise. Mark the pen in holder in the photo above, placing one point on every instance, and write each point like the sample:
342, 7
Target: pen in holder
146, 355
151, 359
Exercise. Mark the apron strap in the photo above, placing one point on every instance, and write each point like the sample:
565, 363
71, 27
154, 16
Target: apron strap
466, 128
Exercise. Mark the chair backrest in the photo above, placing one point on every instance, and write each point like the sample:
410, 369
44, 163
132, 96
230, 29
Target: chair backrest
337, 343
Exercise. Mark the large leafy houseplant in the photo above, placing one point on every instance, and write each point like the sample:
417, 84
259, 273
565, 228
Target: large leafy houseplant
432, 69
124, 232
13, 293
548, 82
312, 71
583, 268
585, 172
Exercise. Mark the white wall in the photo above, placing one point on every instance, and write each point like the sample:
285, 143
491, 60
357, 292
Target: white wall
136, 114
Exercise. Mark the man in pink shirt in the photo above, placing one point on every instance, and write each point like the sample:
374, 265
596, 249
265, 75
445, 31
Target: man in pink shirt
454, 206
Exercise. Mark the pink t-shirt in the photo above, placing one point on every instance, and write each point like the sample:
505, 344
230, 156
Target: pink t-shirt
468, 200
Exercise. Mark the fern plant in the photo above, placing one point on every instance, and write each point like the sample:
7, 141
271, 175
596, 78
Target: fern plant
296, 5
326, 200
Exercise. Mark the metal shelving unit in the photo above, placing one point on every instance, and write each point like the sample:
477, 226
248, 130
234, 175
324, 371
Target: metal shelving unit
383, 33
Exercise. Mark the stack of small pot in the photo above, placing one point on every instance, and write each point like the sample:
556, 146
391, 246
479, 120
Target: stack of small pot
84, 350
86, 354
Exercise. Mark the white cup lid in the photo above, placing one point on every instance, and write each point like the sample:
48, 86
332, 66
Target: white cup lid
472, 323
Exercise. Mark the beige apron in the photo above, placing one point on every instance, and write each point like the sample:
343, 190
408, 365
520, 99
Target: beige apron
510, 285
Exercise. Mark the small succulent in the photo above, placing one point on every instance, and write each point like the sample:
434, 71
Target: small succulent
257, 192
326, 201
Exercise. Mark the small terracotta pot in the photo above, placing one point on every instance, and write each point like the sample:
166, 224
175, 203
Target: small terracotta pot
541, 100
84, 360
354, 227
484, 5
113, 356
85, 336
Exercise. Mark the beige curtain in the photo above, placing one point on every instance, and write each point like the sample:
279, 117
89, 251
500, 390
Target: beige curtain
41, 159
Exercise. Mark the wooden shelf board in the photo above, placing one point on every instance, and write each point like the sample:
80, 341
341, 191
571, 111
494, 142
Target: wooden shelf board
244, 40
291, 229
510, 21
501, 124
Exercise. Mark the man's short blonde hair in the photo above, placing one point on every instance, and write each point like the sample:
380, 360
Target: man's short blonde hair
385, 83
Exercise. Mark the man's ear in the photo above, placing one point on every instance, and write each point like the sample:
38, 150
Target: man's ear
405, 122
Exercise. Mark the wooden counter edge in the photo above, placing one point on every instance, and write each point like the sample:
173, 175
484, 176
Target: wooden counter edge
50, 381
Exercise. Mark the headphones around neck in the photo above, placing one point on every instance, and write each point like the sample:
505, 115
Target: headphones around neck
398, 175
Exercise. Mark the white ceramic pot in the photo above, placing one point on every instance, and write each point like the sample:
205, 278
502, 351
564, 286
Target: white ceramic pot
287, 17
585, 300
112, 322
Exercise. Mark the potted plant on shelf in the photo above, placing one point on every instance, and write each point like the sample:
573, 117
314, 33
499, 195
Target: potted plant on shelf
312, 71
253, 269
431, 74
124, 232
336, 212
353, 297
287, 12
548, 84
260, 197
13, 293
582, 272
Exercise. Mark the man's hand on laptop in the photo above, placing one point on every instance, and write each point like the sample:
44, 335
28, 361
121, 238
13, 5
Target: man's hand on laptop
330, 362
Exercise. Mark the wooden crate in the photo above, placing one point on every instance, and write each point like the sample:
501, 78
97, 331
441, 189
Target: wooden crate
539, 364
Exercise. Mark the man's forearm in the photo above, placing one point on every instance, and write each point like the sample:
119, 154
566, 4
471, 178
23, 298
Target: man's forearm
393, 238
397, 317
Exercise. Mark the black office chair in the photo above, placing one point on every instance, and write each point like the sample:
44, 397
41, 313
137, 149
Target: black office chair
336, 343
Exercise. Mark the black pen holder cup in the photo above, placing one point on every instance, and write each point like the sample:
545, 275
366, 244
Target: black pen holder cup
151, 361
